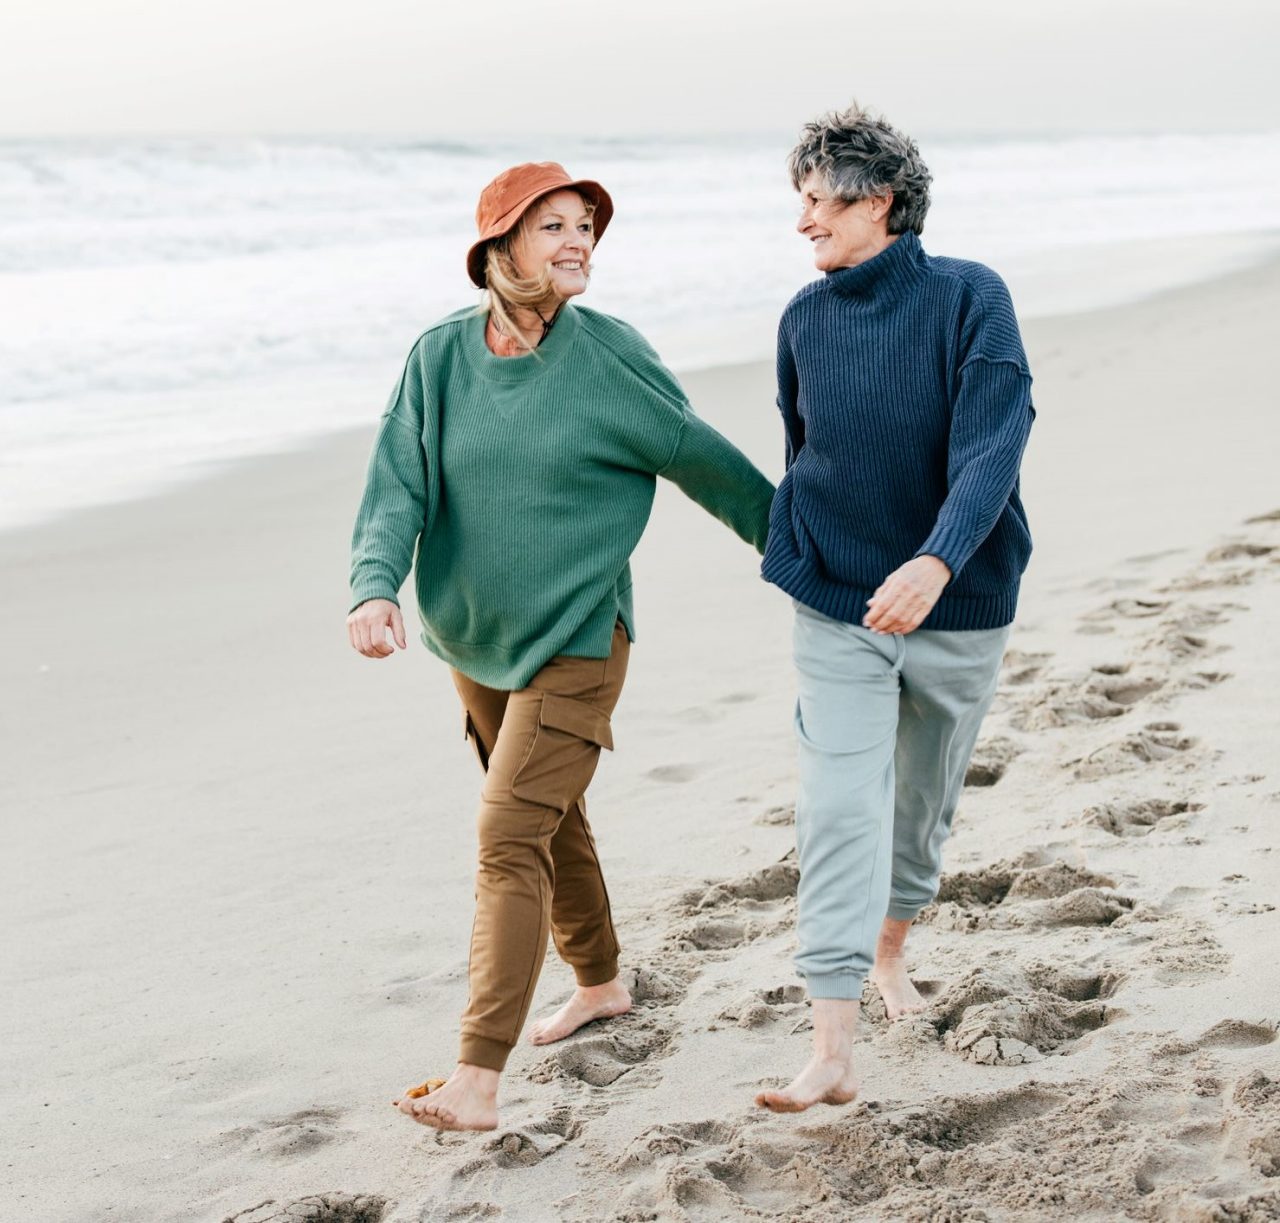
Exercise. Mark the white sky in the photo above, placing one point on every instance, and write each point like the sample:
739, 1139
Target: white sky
471, 68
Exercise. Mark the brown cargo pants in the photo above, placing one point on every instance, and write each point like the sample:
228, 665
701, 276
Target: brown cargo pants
538, 867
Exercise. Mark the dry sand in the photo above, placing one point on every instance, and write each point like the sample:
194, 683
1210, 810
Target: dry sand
238, 856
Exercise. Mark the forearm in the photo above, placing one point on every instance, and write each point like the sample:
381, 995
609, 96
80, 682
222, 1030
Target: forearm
391, 515
990, 426
712, 471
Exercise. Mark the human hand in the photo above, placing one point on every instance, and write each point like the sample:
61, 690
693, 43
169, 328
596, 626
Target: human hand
906, 596
367, 628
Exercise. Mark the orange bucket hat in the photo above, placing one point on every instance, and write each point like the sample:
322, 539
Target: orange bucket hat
503, 201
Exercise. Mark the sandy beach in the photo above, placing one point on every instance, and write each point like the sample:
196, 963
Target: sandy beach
239, 856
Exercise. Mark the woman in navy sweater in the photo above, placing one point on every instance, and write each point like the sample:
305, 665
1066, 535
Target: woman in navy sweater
899, 533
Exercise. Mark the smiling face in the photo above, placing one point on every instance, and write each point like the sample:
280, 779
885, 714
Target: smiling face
558, 236
843, 234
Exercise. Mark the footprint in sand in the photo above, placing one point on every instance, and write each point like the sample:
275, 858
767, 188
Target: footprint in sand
1174, 949
1157, 741
1107, 692
956, 1122
1009, 1016
656, 987
718, 1170
1140, 817
1197, 681
762, 1008
873, 1010
1130, 609
777, 816
290, 1137
1241, 549
1255, 1101
673, 773
1009, 894
991, 758
658, 1142
716, 934
870, 1160
599, 1061
317, 1208
756, 1176
772, 883
1175, 644
599, 1055
1237, 1034
526, 1145
737, 911
1021, 667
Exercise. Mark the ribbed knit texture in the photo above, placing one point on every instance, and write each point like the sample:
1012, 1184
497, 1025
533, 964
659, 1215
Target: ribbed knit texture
524, 484
906, 399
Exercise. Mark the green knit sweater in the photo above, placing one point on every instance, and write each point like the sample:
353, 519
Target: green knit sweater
525, 483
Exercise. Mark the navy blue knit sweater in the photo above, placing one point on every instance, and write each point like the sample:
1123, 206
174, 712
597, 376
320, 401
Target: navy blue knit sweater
906, 398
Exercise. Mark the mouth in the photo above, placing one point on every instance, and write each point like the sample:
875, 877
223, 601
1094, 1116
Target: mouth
569, 265
817, 239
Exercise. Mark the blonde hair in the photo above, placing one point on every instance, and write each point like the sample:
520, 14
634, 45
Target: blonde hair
507, 291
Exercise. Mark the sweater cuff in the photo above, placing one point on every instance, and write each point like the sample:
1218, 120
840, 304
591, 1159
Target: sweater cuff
948, 544
372, 588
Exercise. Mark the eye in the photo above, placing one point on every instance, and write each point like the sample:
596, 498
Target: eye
585, 227
552, 225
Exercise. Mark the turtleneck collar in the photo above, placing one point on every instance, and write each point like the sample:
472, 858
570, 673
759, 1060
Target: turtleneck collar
895, 269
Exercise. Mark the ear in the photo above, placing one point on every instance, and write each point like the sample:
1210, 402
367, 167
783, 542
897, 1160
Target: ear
880, 206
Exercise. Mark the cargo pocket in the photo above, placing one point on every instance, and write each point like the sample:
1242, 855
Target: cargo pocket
563, 753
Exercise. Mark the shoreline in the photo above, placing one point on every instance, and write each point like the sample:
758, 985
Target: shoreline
1226, 256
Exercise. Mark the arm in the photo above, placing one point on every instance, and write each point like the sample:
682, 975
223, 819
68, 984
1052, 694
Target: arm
391, 516
990, 423
989, 427
991, 416
703, 464
788, 394
711, 470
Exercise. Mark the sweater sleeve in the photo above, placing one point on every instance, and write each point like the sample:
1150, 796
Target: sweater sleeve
788, 394
711, 470
990, 422
392, 511
703, 464
991, 417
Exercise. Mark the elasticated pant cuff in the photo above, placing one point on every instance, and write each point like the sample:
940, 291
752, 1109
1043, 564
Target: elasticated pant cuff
599, 973
843, 986
902, 912
484, 1051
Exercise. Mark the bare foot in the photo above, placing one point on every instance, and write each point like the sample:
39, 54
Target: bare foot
900, 996
825, 1080
468, 1101
588, 1002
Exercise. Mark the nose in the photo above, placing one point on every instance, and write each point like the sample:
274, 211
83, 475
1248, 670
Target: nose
804, 220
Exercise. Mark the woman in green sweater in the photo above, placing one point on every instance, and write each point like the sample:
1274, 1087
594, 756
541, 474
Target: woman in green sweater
517, 458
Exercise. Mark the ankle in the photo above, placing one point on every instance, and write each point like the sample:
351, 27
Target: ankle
477, 1078
834, 1057
608, 989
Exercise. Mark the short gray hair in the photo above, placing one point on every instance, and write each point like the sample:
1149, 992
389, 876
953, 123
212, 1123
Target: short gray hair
859, 156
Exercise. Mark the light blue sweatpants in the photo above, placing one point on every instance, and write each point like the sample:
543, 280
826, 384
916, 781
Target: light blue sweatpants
886, 726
